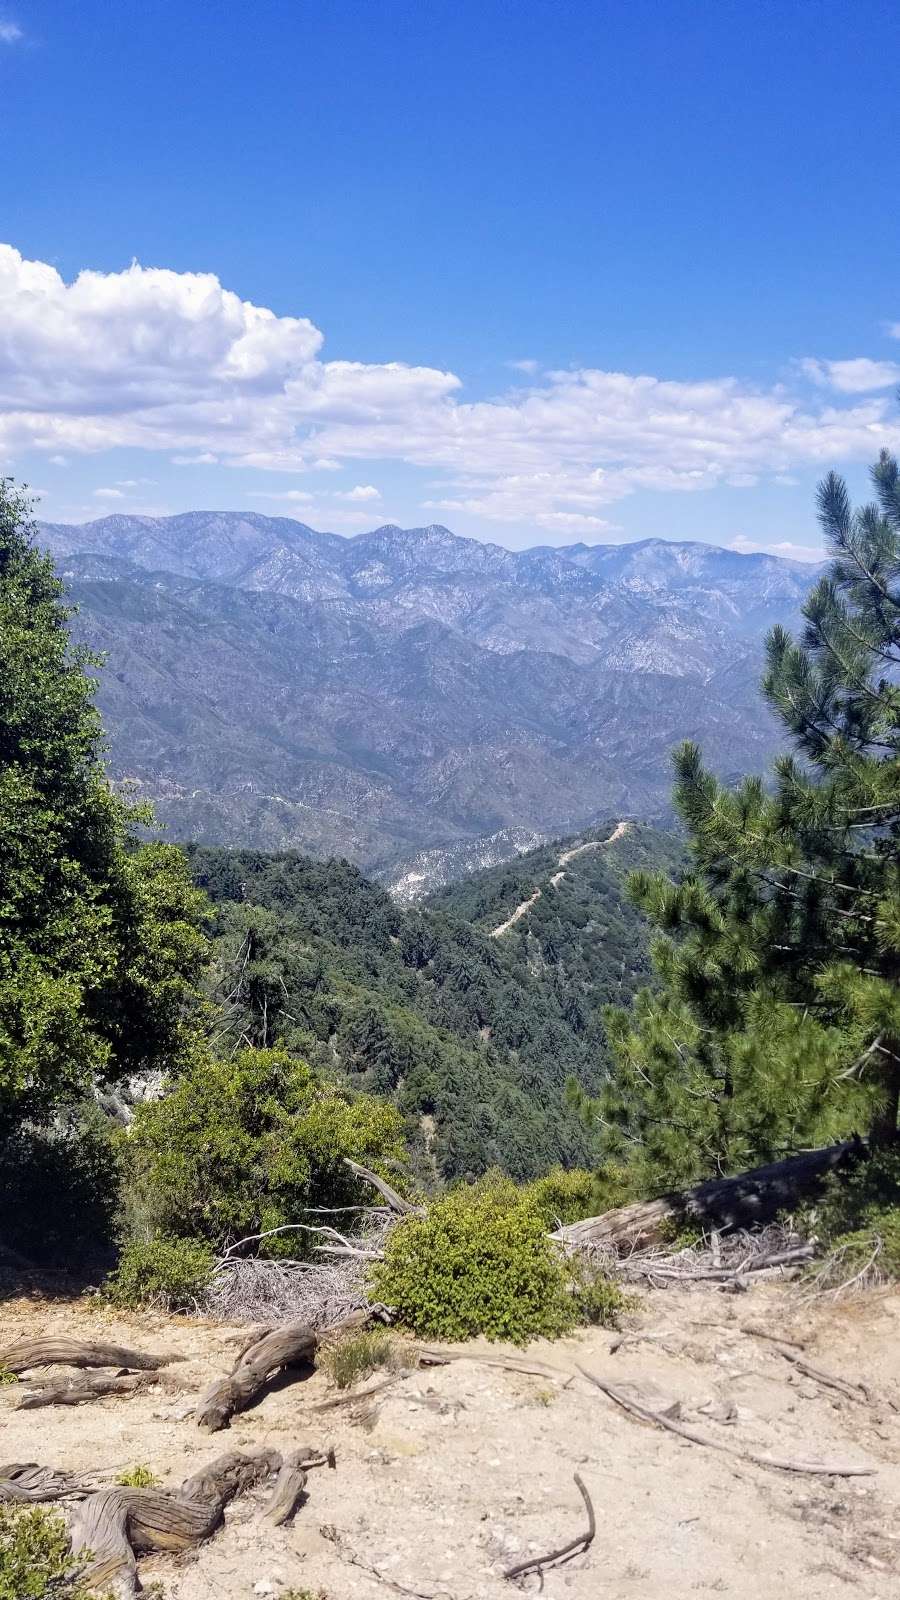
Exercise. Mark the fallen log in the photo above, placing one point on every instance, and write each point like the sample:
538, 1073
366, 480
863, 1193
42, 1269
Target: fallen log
743, 1201
79, 1391
293, 1343
58, 1351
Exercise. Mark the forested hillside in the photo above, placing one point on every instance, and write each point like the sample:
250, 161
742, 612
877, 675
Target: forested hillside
474, 1037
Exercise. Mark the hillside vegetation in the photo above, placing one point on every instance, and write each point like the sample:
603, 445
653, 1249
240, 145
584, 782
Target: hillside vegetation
473, 1038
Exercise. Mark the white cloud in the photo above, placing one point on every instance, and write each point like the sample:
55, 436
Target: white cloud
163, 361
110, 493
297, 495
781, 547
10, 33
361, 491
527, 365
858, 376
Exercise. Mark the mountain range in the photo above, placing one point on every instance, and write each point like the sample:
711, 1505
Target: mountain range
408, 694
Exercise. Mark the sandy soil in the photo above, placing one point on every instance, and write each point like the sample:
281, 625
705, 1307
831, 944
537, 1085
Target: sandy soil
458, 1471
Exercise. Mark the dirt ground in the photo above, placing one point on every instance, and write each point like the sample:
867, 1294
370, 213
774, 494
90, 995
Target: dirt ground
459, 1471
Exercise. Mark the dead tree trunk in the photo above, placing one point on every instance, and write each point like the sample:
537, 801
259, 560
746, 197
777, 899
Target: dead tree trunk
740, 1202
294, 1343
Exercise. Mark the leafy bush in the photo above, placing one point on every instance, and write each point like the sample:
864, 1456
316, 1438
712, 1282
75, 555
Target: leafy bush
860, 1213
355, 1356
481, 1262
242, 1146
35, 1563
164, 1272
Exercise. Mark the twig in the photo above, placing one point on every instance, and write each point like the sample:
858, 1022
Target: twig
349, 1555
685, 1431
352, 1395
851, 1391
431, 1356
576, 1546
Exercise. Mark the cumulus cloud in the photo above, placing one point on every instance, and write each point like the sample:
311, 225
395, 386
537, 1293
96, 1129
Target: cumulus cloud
151, 359
361, 491
10, 33
857, 376
109, 493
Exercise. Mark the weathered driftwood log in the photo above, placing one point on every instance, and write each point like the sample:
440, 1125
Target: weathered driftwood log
116, 1523
743, 1201
58, 1351
295, 1342
78, 1391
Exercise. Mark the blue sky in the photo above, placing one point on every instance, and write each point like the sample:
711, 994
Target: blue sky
544, 271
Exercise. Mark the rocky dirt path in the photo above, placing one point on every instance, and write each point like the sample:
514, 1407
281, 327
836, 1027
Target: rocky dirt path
620, 829
457, 1472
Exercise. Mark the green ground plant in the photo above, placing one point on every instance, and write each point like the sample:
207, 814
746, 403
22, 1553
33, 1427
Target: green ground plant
139, 1477
859, 1214
357, 1355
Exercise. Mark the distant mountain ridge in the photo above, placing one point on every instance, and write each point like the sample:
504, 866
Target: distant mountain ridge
408, 690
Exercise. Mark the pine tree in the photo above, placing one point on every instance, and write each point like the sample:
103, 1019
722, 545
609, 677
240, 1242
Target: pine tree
100, 947
777, 1020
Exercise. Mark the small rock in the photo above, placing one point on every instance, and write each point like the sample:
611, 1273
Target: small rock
264, 1586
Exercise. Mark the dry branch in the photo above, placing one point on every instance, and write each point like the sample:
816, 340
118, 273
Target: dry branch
394, 1200
829, 1469
57, 1351
293, 1343
575, 1547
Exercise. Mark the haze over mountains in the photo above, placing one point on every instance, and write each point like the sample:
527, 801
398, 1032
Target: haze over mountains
407, 691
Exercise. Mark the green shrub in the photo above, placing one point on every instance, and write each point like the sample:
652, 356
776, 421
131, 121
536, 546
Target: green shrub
480, 1262
35, 1563
356, 1355
164, 1272
859, 1213
241, 1146
567, 1194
